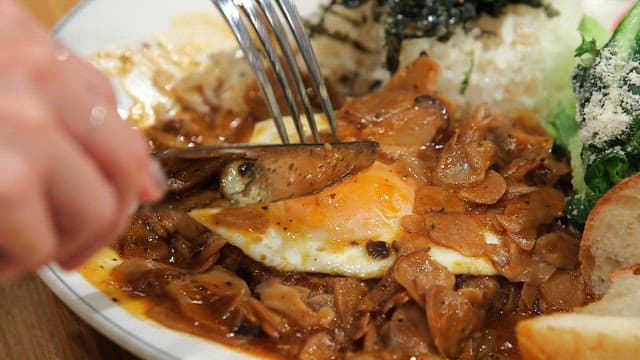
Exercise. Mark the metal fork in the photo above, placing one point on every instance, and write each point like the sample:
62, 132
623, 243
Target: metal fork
266, 18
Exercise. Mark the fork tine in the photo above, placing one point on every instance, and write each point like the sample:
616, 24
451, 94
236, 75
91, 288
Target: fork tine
256, 17
232, 16
290, 59
299, 33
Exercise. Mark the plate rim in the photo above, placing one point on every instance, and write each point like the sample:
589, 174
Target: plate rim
97, 319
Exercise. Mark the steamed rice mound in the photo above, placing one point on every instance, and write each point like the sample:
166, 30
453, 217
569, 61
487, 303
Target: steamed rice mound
522, 60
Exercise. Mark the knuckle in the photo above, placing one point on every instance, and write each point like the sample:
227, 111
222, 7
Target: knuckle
24, 112
39, 58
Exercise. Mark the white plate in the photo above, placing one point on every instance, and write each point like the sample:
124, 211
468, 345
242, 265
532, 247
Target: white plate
92, 26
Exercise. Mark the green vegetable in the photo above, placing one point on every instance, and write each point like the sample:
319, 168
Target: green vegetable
564, 128
407, 19
606, 84
593, 34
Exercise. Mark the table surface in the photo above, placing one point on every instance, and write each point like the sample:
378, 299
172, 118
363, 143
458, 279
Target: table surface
34, 324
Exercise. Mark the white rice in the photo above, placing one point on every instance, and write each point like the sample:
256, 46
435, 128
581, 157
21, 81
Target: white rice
523, 60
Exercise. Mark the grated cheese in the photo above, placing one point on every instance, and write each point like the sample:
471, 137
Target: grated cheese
609, 112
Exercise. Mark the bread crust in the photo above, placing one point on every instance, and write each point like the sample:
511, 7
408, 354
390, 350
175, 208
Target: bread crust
603, 331
600, 219
554, 338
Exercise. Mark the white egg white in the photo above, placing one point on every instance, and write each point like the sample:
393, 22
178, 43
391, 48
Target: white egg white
331, 232
460, 264
264, 132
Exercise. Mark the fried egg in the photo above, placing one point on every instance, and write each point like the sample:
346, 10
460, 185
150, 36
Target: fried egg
347, 229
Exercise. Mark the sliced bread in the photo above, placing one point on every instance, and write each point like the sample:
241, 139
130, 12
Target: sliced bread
611, 238
606, 329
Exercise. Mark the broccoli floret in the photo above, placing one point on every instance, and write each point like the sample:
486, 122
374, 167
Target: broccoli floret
607, 89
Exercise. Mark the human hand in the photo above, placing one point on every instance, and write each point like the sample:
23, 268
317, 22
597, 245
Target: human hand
72, 169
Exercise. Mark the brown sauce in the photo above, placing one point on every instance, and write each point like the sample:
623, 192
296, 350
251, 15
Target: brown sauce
248, 219
475, 172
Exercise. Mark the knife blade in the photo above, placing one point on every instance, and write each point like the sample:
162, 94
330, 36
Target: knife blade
258, 174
